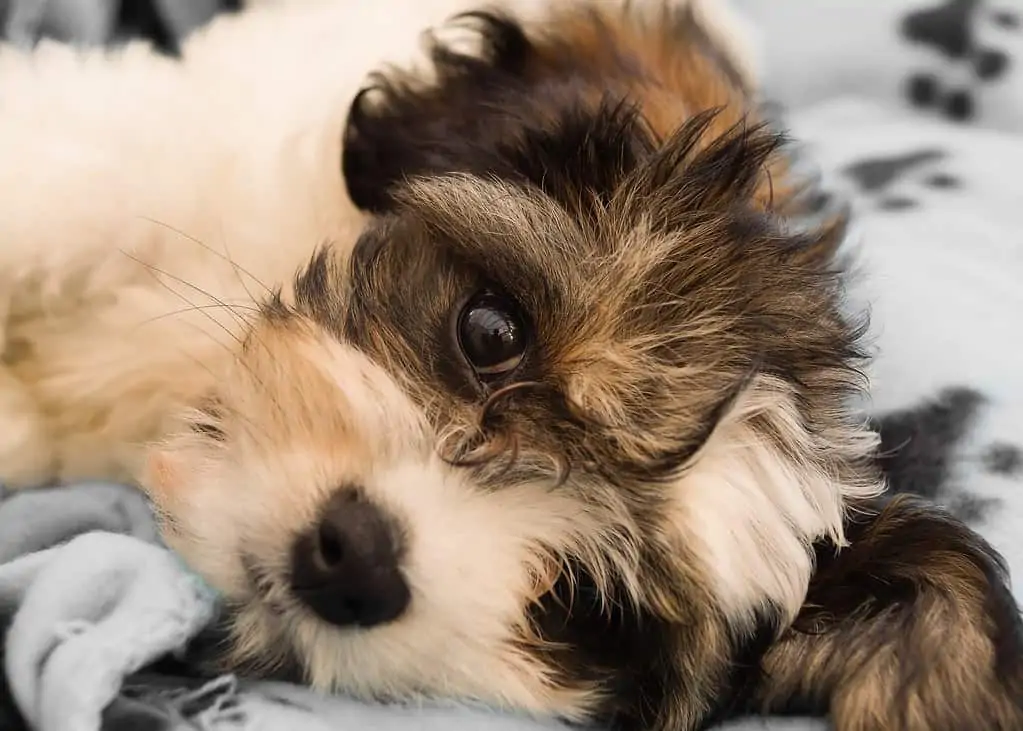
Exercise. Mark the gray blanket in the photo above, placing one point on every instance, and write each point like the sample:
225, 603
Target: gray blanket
103, 623
913, 110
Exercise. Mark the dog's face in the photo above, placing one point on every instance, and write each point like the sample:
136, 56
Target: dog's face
559, 437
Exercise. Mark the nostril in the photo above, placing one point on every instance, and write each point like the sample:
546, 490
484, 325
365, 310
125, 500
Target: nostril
331, 550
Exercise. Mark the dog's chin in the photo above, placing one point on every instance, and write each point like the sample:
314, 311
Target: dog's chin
380, 664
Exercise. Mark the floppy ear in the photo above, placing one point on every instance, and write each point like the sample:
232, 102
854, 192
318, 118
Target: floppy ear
912, 626
476, 111
402, 126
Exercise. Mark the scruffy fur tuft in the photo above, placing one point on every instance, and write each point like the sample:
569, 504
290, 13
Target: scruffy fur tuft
554, 331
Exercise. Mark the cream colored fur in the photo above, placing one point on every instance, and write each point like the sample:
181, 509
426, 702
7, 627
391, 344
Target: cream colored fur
129, 181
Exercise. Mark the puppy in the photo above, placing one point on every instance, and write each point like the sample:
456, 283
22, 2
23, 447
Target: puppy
560, 421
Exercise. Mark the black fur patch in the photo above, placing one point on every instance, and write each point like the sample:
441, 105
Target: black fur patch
486, 115
613, 645
428, 134
483, 117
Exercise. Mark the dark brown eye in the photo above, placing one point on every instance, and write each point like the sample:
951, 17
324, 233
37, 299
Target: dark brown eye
492, 335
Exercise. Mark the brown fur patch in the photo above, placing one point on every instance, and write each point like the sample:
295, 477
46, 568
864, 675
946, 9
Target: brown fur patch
912, 627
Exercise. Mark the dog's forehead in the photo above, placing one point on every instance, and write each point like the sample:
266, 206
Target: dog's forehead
592, 250
621, 240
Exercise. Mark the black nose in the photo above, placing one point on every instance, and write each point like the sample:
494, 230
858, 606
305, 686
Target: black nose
346, 568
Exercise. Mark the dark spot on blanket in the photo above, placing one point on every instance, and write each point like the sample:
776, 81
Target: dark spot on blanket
144, 19
958, 106
990, 64
875, 174
950, 29
971, 508
1005, 19
920, 444
947, 28
943, 181
923, 90
897, 203
1005, 460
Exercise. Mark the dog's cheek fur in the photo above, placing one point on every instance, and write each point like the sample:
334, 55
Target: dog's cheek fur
301, 413
724, 564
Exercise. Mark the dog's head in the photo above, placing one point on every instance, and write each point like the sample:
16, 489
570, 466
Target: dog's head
561, 430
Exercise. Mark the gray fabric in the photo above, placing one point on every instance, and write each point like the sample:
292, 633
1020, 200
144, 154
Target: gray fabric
93, 598
29, 522
91, 613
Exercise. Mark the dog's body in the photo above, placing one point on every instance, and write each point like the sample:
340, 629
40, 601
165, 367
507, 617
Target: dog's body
117, 163
588, 396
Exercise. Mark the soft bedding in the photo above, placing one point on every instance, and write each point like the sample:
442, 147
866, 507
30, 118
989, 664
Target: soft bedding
913, 112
